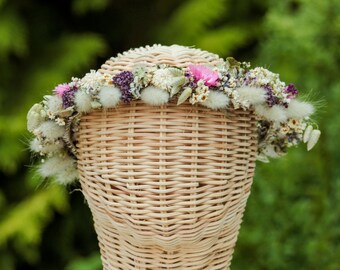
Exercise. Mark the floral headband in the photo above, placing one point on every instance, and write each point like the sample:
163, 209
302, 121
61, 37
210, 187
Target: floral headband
282, 120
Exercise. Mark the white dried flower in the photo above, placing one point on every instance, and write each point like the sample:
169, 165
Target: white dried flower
91, 82
284, 129
60, 121
169, 79
162, 79
154, 96
82, 101
109, 96
201, 93
294, 123
35, 116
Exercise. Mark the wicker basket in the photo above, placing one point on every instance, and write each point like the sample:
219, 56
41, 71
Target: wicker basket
167, 185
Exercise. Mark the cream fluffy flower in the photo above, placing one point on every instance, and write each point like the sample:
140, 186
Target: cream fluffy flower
83, 101
50, 130
276, 113
299, 109
154, 96
216, 100
109, 96
45, 148
62, 168
254, 95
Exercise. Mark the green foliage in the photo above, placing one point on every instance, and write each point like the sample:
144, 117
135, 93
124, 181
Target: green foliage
205, 24
10, 23
192, 19
24, 222
30, 65
81, 7
291, 221
91, 262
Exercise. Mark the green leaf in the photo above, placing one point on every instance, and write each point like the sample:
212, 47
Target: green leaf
184, 95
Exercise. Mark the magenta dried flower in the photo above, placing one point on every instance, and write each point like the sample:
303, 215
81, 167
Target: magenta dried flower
291, 90
200, 72
123, 81
60, 89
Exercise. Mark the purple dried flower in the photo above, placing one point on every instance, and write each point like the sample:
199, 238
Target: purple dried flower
123, 81
291, 90
68, 96
271, 98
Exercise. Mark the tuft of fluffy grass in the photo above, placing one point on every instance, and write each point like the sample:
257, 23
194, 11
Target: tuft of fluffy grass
54, 103
55, 165
82, 101
109, 96
62, 169
216, 100
154, 96
276, 113
255, 95
51, 130
67, 176
299, 109
36, 146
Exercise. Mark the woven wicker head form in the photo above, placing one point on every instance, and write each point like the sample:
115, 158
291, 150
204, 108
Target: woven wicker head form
167, 185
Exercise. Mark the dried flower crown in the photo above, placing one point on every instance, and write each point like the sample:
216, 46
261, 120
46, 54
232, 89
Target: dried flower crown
282, 120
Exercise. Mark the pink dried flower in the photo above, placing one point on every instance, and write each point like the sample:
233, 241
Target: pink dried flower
203, 73
61, 89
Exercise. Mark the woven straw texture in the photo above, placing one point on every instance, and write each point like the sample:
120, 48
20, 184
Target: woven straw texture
167, 185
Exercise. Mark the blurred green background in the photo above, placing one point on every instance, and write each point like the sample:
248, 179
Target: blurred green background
293, 216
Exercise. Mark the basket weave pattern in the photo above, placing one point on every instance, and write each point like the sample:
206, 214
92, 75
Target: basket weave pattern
167, 185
